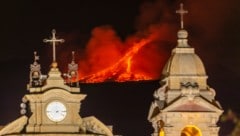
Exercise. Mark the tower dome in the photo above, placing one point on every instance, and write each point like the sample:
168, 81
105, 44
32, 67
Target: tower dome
184, 66
184, 61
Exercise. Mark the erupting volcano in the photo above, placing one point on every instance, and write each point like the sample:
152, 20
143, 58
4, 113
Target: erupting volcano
108, 58
122, 70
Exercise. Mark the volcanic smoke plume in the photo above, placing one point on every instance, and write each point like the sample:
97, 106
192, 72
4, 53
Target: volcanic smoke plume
142, 55
109, 59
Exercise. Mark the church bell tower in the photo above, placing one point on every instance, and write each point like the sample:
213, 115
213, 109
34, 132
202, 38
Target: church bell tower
52, 106
184, 105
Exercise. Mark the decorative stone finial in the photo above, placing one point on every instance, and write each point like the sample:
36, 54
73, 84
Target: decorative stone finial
72, 75
36, 77
182, 34
35, 57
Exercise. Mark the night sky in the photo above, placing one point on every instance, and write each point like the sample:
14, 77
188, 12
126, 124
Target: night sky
214, 32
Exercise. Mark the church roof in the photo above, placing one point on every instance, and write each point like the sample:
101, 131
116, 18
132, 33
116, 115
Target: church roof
184, 62
199, 104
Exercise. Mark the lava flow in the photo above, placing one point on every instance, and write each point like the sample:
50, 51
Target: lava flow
121, 71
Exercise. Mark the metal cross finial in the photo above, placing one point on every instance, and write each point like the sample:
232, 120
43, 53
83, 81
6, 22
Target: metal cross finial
181, 12
53, 41
73, 56
35, 57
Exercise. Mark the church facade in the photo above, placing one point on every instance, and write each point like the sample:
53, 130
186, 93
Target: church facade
52, 106
184, 105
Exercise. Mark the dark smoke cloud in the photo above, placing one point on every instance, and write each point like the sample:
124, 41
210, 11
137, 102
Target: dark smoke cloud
155, 12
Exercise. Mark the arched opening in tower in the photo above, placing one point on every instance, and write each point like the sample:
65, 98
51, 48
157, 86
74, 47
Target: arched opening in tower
191, 130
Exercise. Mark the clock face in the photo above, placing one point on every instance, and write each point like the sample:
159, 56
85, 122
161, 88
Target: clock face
56, 111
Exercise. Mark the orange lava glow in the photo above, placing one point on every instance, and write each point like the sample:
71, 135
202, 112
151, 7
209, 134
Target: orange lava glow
161, 133
129, 63
121, 71
107, 57
191, 131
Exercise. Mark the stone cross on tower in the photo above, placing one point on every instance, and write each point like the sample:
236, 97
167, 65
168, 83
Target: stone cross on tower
181, 12
53, 41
